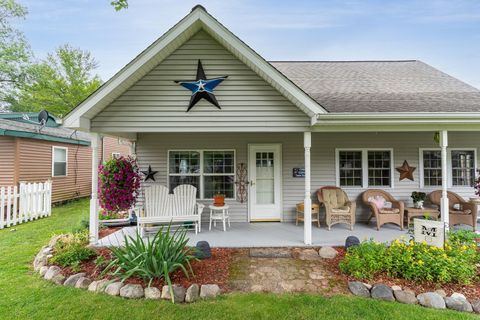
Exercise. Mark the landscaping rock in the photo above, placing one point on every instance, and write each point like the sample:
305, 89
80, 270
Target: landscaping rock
193, 293
52, 272
132, 291
457, 295
358, 289
58, 279
441, 292
40, 260
396, 288
203, 250
53, 241
178, 293
476, 305
72, 280
114, 288
382, 292
43, 270
431, 300
351, 241
308, 254
458, 302
152, 293
406, 297
369, 286
83, 283
98, 286
327, 252
208, 291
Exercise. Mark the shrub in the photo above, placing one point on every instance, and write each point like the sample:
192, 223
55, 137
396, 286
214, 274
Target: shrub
118, 184
71, 249
153, 258
414, 261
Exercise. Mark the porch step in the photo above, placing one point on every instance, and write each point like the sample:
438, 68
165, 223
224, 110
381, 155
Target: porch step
270, 253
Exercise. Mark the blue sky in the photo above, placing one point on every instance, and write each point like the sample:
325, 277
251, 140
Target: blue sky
445, 34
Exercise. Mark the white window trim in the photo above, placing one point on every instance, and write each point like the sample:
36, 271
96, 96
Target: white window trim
116, 153
201, 174
449, 166
53, 161
364, 167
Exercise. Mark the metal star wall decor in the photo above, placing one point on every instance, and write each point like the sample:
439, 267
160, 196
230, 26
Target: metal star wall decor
149, 174
406, 171
201, 87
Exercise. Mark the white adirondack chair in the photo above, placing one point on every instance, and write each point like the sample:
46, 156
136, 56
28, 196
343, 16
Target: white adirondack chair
160, 207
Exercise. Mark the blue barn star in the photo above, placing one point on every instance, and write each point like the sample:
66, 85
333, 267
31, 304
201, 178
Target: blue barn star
201, 87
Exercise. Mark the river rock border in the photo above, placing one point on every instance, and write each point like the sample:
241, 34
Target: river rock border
117, 288
436, 300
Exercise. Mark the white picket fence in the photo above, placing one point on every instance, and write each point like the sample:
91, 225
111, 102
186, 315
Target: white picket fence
29, 202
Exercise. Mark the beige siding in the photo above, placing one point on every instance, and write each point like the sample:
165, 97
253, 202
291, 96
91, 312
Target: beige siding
112, 144
152, 150
35, 164
7, 161
157, 104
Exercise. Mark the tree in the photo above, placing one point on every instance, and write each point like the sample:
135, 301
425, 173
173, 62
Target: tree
58, 83
119, 4
15, 53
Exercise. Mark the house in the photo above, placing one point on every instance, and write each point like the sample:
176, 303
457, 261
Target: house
31, 152
344, 123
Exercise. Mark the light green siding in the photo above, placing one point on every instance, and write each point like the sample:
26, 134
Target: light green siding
157, 104
152, 150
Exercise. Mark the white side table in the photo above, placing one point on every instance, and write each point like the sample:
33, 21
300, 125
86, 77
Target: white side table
219, 213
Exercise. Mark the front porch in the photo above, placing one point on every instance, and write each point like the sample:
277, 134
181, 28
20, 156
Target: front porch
273, 234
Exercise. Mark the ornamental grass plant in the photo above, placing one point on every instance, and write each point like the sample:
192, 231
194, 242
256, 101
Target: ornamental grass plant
455, 263
153, 258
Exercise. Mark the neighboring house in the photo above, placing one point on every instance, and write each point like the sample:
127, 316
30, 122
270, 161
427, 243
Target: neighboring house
346, 123
33, 153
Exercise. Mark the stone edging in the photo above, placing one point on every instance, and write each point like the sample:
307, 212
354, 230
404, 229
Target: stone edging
435, 300
117, 288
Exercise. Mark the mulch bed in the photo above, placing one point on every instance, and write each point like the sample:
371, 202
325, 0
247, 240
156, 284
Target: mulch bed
209, 271
471, 291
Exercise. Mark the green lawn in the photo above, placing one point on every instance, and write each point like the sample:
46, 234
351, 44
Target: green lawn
23, 295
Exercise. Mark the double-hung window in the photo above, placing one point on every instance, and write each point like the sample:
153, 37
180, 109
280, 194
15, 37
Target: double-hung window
59, 161
210, 171
364, 168
461, 165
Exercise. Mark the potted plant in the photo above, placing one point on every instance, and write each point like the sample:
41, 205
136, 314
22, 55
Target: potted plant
118, 187
218, 199
418, 199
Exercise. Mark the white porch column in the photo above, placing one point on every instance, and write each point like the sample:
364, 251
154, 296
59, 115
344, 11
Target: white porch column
307, 202
444, 203
94, 206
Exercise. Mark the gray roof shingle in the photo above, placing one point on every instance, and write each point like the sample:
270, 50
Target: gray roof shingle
381, 86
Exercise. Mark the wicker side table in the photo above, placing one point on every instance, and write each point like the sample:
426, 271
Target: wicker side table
417, 212
315, 213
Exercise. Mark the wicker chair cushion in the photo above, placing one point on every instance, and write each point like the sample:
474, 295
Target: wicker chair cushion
334, 197
390, 211
378, 201
341, 210
466, 211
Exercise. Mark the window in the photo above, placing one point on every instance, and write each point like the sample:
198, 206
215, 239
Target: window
364, 168
432, 168
116, 155
463, 167
461, 164
59, 161
210, 171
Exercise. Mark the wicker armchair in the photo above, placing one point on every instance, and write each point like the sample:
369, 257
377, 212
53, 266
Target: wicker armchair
387, 215
460, 211
338, 208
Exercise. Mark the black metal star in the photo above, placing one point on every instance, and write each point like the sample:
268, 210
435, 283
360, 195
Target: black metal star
201, 87
149, 174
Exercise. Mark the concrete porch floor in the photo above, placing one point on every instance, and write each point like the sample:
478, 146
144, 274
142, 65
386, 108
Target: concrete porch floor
274, 234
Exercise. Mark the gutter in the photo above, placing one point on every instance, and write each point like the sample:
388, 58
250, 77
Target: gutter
40, 136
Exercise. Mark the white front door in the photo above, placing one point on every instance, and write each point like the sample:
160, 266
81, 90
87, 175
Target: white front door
265, 177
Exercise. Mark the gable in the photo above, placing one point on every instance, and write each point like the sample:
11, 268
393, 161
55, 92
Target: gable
156, 103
